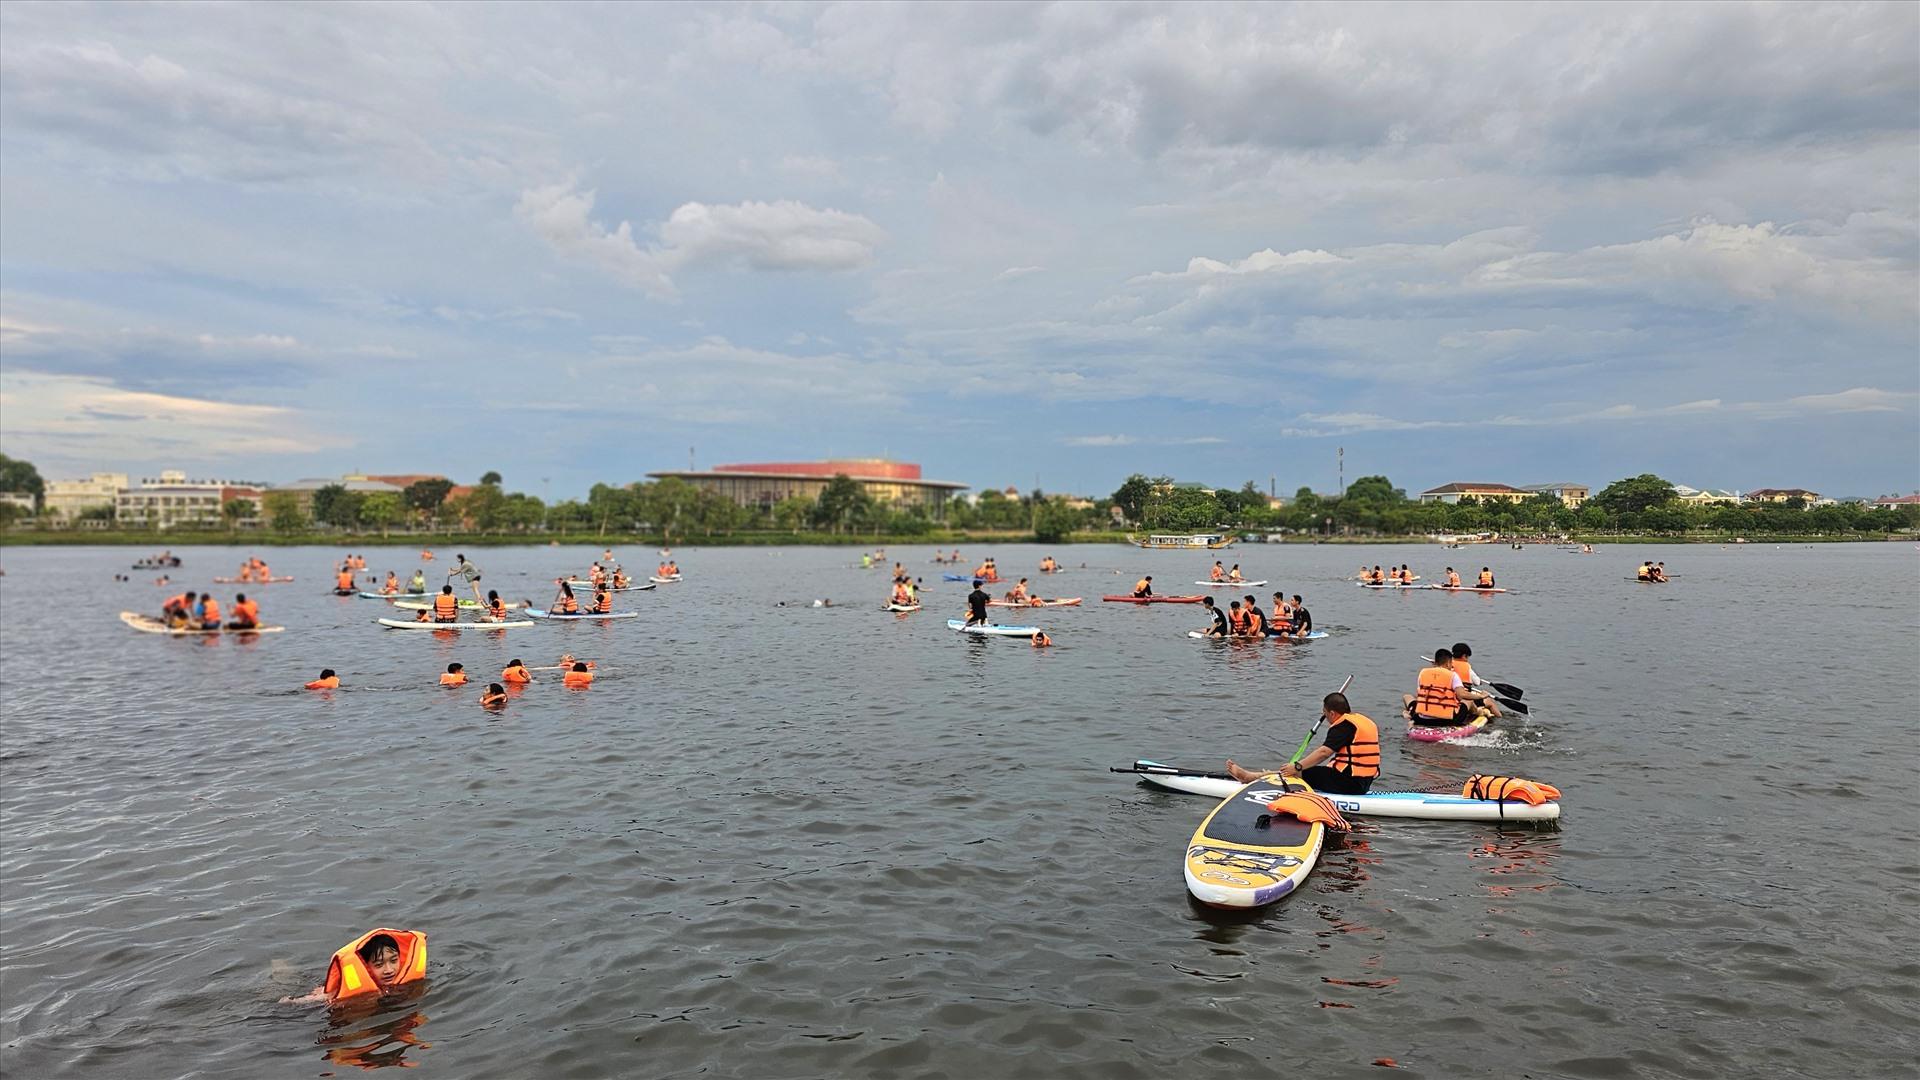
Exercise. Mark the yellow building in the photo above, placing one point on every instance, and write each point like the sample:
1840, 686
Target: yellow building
1453, 493
761, 485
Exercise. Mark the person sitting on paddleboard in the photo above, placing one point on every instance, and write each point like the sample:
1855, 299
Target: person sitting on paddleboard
566, 604
1256, 619
1218, 573
1220, 627
1453, 578
1236, 619
1302, 618
1486, 578
1462, 665
178, 609
1143, 587
392, 585
1234, 573
1442, 699
496, 607
1376, 577
417, 584
1280, 623
343, 582
1660, 571
1018, 594
445, 607
902, 595
1347, 763
246, 613
602, 601
977, 604
620, 578
206, 614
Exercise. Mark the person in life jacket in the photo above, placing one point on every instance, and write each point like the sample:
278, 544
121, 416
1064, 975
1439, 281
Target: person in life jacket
1453, 578
417, 584
1218, 573
343, 581
426, 555
1236, 619
1462, 665
1406, 573
1346, 763
246, 613
1442, 699
175, 610
423, 616
1256, 624
455, 676
1376, 577
1659, 572
620, 578
377, 962
445, 608
1280, 623
1486, 578
392, 586
902, 594
1041, 640
602, 602
208, 613
495, 696
327, 681
1645, 573
566, 604
1221, 627
516, 672
496, 607
567, 661
1143, 587
577, 679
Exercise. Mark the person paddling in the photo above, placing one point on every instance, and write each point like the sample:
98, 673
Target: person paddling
977, 604
565, 604
1442, 699
1347, 763
1143, 587
1218, 573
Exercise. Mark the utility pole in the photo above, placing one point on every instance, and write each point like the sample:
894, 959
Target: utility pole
690, 467
1342, 456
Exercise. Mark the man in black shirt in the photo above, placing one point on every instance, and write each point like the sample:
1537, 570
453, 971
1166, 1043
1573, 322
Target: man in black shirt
1302, 618
977, 605
1221, 628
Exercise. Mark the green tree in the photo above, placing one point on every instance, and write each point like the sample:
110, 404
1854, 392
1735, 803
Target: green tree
1132, 497
12, 512
425, 496
17, 475
842, 505
284, 514
490, 478
1731, 519
521, 511
1053, 522
608, 506
1795, 502
792, 513
335, 505
1633, 494
1373, 491
482, 507
670, 504
233, 510
382, 510
569, 515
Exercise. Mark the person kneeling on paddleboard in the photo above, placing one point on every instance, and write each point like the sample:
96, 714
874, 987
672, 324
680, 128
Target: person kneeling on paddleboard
1143, 587
977, 604
1442, 700
1346, 764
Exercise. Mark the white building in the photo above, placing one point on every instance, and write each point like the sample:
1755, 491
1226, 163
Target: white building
21, 499
172, 501
68, 499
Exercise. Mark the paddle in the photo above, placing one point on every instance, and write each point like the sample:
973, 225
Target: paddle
1169, 770
1517, 706
1315, 729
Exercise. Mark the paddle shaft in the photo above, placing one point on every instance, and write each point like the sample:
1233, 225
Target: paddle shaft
1315, 729
1505, 688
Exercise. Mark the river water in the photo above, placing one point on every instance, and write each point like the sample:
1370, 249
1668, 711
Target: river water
795, 841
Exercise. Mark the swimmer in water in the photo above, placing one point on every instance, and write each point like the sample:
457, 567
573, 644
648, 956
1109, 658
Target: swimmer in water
373, 964
455, 676
579, 678
495, 695
327, 681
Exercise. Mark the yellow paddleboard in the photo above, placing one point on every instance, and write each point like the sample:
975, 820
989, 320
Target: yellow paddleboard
1242, 856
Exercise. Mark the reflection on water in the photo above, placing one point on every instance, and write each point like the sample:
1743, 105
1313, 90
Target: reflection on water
804, 841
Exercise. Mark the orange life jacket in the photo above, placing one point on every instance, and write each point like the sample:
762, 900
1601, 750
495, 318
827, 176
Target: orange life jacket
1376, 578
345, 580
577, 678
347, 974
602, 604
1361, 757
331, 682
211, 609
1486, 579
1236, 621
1531, 792
445, 608
1217, 574
516, 674
392, 585
498, 610
1282, 619
175, 603
1255, 624
246, 611
569, 606
1309, 808
1453, 579
1435, 698
453, 678
1141, 586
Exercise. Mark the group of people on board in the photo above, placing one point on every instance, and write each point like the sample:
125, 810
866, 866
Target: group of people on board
1448, 693
615, 576
944, 560
568, 604
576, 675
1244, 618
1651, 571
254, 569
1049, 565
416, 585
1483, 581
906, 592
669, 568
987, 572
200, 611
446, 608
1219, 573
977, 602
1393, 575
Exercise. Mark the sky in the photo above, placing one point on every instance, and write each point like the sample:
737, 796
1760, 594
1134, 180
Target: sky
1038, 245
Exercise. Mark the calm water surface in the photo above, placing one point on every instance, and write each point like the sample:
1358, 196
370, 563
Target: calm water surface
779, 841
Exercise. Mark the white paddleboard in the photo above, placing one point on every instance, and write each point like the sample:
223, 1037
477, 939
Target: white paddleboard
992, 629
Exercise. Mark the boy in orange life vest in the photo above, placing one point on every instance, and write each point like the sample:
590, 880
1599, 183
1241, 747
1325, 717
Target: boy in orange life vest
246, 613
1345, 764
516, 672
327, 681
377, 966
455, 676
579, 678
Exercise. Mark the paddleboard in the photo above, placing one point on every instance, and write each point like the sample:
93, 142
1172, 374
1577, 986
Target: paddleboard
958, 577
1242, 856
249, 581
1464, 588
1069, 601
148, 624
465, 605
1387, 585
1152, 599
1314, 635
1647, 580
992, 629
903, 607
1422, 733
1433, 804
404, 624
664, 580
630, 588
583, 615
1230, 584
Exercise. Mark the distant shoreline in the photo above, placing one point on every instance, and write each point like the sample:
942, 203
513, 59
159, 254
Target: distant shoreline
157, 541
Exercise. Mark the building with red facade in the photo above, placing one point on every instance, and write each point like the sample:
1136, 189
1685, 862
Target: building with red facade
762, 484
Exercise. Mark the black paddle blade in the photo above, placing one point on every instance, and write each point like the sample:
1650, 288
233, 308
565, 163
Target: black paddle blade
1517, 706
1508, 689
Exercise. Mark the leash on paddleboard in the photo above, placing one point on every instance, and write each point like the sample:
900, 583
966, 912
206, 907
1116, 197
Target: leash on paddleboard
1315, 730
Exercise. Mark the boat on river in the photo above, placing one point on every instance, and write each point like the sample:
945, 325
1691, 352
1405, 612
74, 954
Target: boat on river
1183, 541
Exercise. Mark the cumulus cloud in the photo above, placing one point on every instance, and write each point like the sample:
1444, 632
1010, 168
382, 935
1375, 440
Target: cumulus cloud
782, 235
